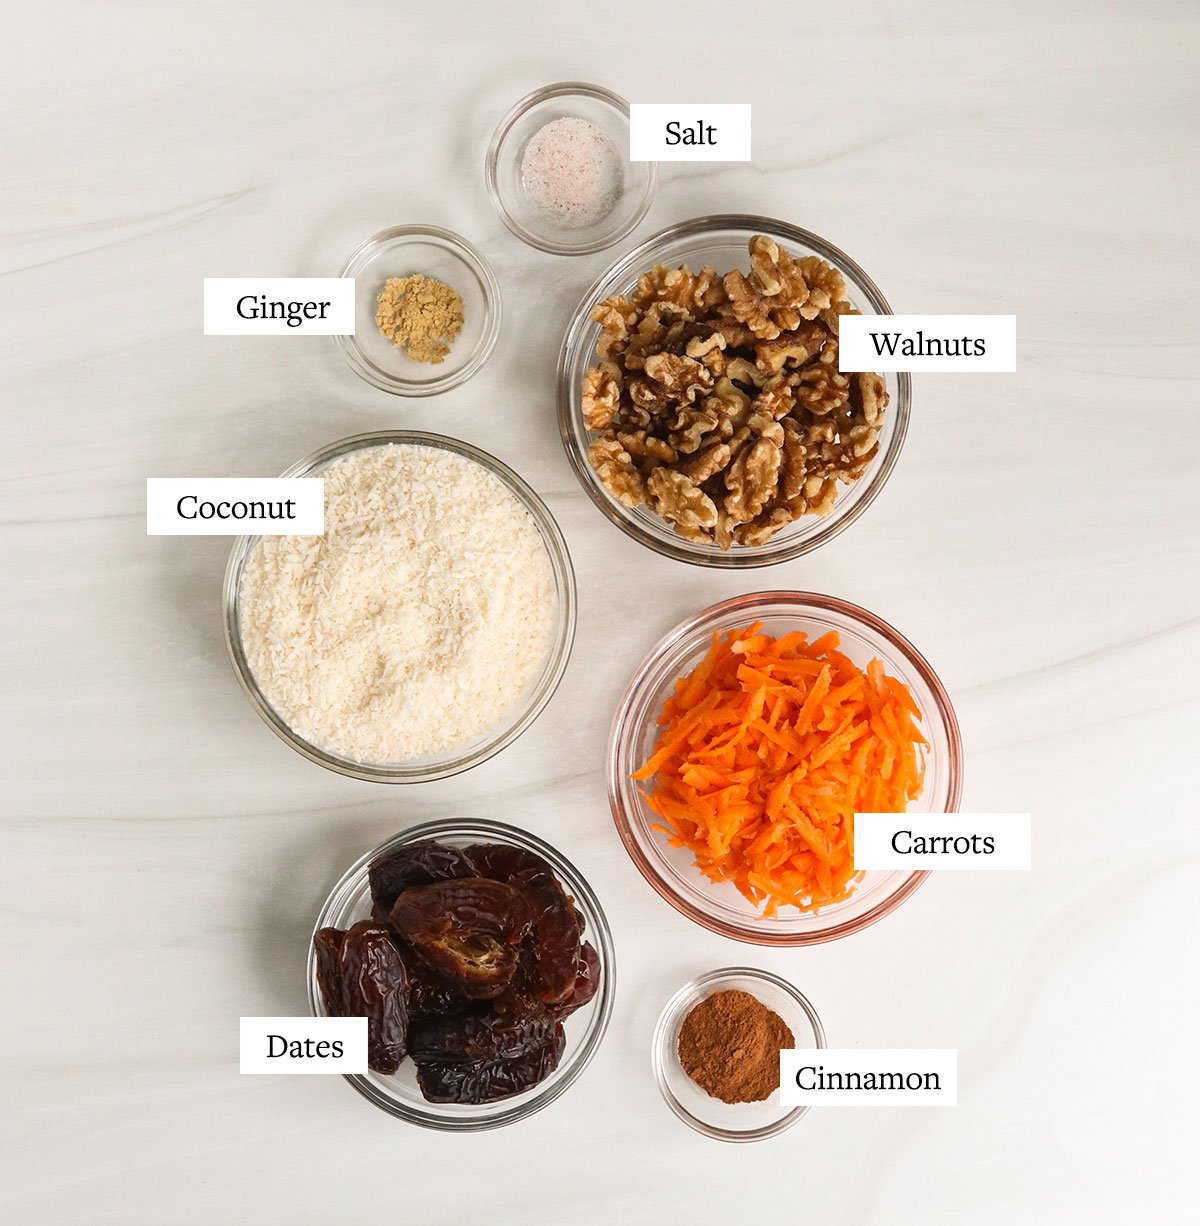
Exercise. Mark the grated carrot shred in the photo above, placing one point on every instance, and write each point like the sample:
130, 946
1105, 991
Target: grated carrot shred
766, 749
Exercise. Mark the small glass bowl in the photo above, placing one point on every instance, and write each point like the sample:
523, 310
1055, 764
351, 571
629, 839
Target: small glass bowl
399, 1094
714, 1118
672, 870
444, 256
502, 169
524, 711
721, 241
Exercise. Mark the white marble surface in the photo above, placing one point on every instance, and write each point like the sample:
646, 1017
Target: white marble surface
162, 854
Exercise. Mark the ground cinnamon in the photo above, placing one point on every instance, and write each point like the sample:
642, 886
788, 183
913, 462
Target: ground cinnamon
729, 1046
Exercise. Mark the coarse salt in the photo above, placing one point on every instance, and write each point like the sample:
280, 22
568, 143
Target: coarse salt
415, 624
572, 171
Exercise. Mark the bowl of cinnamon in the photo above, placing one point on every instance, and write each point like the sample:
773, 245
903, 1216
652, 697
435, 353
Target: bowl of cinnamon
716, 1052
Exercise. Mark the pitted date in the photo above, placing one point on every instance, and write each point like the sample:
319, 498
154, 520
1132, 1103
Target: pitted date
429, 995
361, 974
469, 931
420, 863
502, 862
481, 1036
555, 933
587, 983
488, 1080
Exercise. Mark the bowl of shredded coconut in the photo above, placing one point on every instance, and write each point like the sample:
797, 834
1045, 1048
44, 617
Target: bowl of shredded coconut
426, 628
559, 173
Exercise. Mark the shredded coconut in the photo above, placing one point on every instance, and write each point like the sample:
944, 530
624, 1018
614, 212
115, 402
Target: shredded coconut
572, 171
416, 622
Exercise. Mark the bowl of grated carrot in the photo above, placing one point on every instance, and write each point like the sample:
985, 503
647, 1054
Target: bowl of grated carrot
746, 742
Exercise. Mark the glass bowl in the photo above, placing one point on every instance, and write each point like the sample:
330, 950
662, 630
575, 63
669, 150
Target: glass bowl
671, 870
714, 1118
523, 712
398, 1094
721, 241
446, 257
502, 169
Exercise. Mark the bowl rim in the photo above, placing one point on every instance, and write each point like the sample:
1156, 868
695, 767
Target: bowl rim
599, 932
712, 980
491, 162
559, 652
809, 601
493, 308
573, 433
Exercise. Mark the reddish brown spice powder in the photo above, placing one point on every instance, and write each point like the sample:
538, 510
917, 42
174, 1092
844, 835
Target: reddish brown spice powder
729, 1046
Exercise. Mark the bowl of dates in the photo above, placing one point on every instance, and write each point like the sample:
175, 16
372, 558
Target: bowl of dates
483, 964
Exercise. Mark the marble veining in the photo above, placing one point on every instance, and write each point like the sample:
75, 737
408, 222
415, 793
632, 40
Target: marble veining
162, 855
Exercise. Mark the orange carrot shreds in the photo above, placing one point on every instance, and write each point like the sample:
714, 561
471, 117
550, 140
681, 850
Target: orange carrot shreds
765, 751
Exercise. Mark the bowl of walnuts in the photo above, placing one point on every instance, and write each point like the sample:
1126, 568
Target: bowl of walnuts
700, 401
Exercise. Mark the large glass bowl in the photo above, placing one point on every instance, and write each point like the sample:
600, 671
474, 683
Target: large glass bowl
398, 1094
526, 708
721, 242
671, 870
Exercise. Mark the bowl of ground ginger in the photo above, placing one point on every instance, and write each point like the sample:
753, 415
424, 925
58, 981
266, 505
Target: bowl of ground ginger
427, 310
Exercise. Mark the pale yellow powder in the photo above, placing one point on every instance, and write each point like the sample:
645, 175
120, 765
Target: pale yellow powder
421, 316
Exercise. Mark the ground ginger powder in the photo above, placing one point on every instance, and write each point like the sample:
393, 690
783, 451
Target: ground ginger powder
421, 316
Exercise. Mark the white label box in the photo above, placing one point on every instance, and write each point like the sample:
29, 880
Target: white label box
986, 344
942, 841
869, 1077
304, 1045
689, 132
278, 306
235, 506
